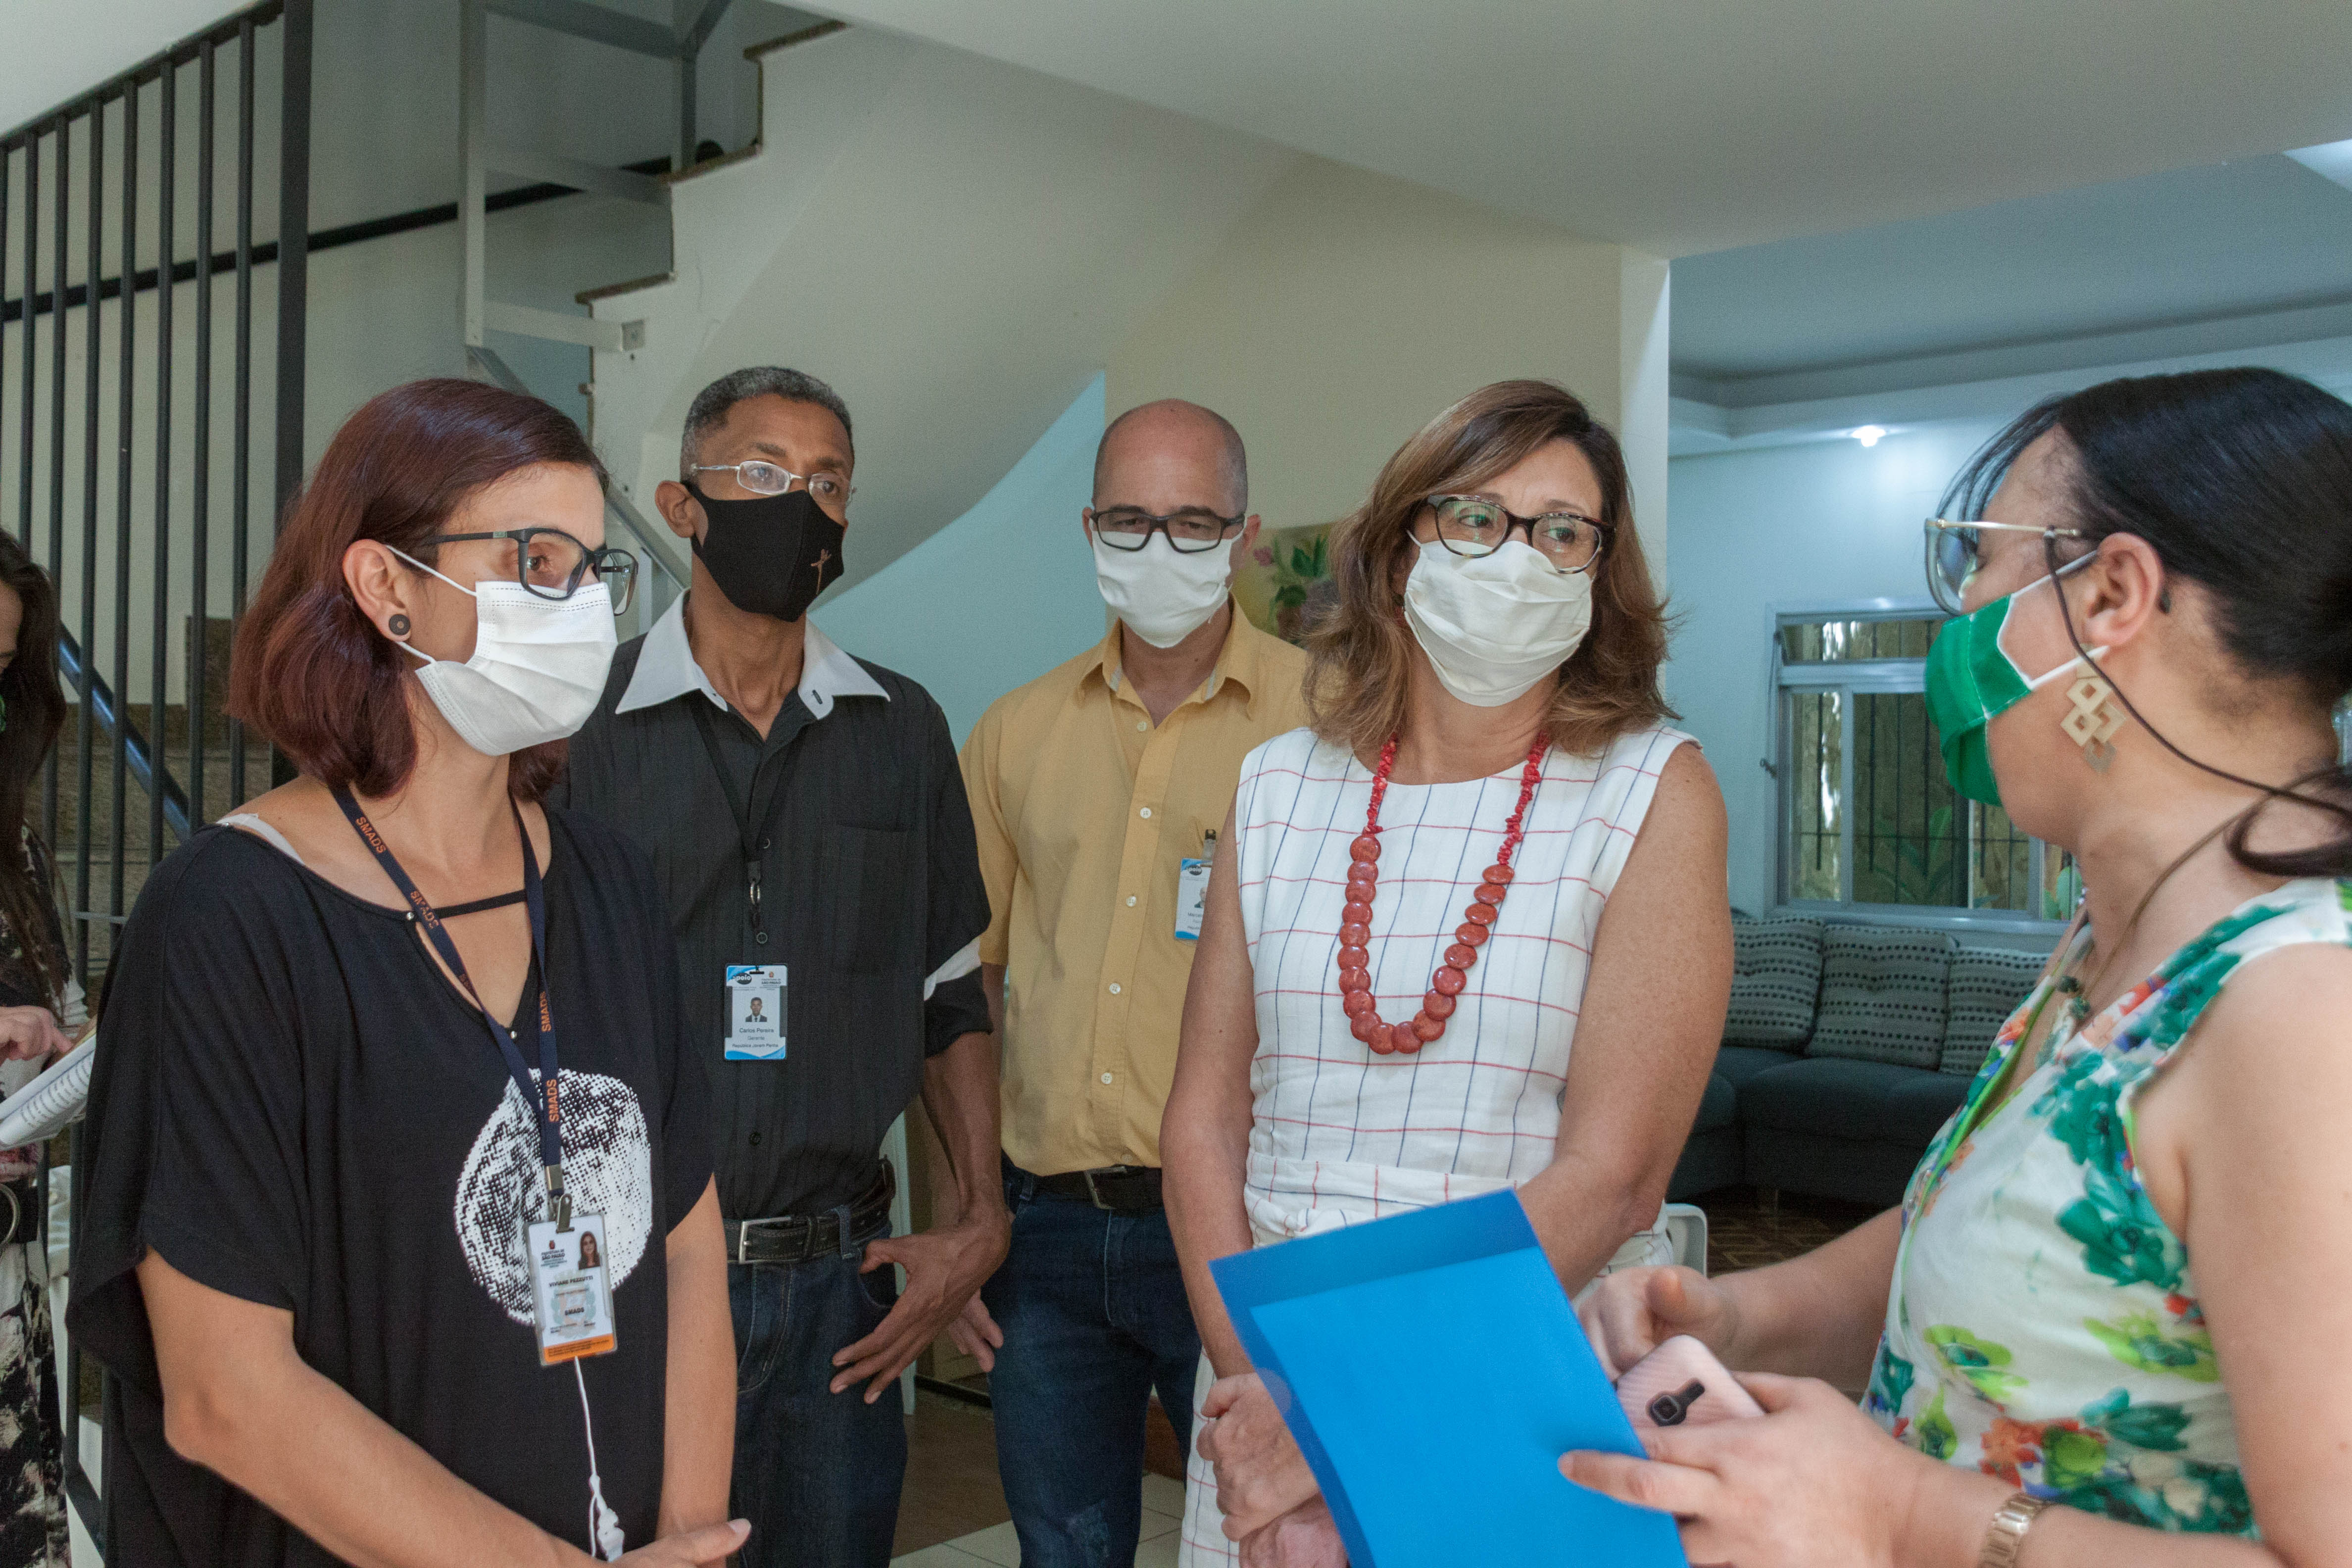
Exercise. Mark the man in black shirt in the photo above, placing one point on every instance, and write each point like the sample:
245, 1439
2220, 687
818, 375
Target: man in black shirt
807, 820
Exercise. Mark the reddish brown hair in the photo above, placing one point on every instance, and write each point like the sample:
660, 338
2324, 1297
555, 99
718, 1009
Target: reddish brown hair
312, 673
1360, 650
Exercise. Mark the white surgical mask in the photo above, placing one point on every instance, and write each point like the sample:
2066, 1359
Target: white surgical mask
538, 670
1163, 595
1493, 626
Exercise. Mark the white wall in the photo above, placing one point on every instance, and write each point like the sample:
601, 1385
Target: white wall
962, 246
1344, 310
959, 246
1645, 321
954, 245
1786, 528
75, 55
1000, 595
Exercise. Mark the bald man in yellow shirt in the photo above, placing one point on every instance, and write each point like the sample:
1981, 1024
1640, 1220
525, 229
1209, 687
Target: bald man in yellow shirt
1097, 792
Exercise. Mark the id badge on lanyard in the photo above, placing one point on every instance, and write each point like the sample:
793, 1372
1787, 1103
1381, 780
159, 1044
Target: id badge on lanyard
570, 1289
1192, 889
755, 1011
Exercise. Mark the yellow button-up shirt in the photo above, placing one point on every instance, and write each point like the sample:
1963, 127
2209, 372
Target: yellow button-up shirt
1084, 808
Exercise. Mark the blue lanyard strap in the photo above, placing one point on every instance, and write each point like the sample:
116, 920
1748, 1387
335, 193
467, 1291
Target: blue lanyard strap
543, 1093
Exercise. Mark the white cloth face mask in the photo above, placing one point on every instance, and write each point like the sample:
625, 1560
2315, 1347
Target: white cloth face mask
538, 669
1164, 594
1493, 625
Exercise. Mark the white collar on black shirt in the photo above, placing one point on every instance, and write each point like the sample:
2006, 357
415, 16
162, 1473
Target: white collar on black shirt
666, 668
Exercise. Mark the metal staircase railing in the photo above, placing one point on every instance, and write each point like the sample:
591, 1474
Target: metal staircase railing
151, 774
115, 296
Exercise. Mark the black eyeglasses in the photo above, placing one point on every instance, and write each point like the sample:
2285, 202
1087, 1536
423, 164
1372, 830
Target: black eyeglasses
1474, 526
1189, 532
550, 564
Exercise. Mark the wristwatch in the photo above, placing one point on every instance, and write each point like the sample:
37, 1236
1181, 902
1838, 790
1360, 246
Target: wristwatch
2006, 1535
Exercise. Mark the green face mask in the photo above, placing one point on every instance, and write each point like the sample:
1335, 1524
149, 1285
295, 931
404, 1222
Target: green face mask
1971, 678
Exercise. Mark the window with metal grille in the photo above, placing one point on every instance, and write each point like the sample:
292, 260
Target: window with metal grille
1867, 816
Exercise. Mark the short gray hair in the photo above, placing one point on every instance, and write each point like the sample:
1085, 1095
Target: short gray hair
712, 405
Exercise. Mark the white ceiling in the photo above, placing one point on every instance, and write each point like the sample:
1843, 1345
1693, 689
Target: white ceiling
2254, 238
1970, 315
1703, 124
83, 42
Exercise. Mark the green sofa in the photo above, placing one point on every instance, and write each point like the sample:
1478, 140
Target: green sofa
1845, 1048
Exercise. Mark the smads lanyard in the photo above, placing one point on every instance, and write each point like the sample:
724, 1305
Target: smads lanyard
571, 1287
543, 1093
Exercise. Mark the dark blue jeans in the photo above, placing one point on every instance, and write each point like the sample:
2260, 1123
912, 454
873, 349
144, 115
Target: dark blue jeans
1094, 1315
817, 1474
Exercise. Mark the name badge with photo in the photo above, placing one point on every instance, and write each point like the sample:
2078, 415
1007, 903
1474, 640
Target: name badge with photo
571, 1287
755, 1011
1192, 898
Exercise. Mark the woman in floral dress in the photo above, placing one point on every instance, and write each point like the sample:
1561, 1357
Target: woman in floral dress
2115, 1298
37, 994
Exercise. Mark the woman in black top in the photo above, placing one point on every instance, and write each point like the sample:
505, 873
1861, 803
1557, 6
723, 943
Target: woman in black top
37, 994
314, 1141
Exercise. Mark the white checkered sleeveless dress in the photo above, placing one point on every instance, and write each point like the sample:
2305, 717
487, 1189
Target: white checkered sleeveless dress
1339, 1134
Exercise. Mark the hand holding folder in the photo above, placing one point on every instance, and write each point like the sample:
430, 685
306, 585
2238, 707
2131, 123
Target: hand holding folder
1433, 1373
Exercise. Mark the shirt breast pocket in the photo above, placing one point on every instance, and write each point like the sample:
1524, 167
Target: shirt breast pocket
874, 913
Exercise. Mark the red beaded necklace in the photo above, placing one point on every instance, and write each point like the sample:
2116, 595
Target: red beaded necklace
1356, 921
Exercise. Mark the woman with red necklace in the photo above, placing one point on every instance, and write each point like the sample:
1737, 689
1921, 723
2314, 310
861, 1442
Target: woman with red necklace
1469, 931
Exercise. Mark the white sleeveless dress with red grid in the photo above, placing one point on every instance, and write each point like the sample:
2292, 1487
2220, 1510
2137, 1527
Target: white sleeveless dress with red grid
1339, 1134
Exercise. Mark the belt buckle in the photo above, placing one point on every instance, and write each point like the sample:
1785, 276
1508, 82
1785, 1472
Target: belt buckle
743, 1236
1095, 1193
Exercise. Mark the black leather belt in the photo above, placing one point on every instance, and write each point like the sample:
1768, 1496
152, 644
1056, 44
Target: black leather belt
1126, 1189
796, 1238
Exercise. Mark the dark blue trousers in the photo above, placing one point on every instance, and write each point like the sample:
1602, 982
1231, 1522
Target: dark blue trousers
817, 1474
1095, 1319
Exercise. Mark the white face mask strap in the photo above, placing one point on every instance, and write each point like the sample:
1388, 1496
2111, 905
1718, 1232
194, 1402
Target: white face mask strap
2049, 579
2039, 681
420, 565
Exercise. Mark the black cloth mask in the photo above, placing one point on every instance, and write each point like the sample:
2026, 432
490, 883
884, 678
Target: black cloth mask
772, 555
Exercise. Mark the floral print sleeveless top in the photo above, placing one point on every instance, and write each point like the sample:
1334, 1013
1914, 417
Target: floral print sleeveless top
2044, 1323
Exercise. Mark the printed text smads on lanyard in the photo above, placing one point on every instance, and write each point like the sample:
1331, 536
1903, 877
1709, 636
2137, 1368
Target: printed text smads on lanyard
543, 1093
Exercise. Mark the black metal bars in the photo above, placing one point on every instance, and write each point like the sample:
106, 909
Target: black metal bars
200, 501
241, 449
159, 667
293, 252
94, 322
95, 203
96, 246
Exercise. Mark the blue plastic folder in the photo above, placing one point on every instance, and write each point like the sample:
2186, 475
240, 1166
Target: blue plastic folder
1433, 1373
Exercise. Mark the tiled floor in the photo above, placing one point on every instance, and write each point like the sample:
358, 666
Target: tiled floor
951, 1487
1742, 1232
1163, 1508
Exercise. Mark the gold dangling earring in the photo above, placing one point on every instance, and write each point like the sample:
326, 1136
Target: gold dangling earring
2095, 717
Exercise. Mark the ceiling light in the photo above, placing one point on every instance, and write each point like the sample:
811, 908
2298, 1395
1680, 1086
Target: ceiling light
1869, 434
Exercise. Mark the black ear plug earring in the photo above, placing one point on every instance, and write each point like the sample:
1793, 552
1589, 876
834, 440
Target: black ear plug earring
400, 626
